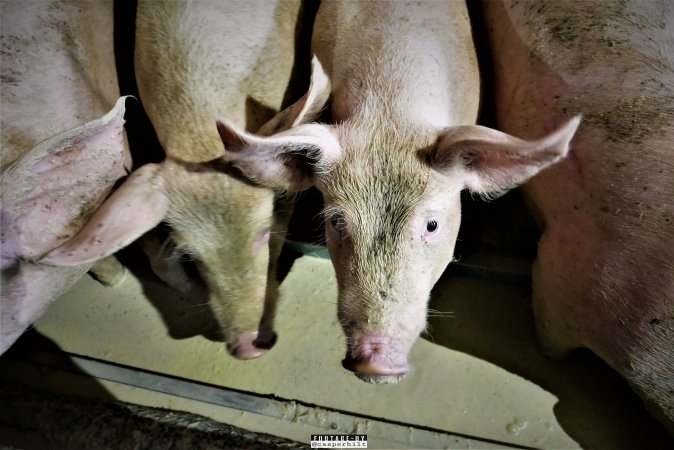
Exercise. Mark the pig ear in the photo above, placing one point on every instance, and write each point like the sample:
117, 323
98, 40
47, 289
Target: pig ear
491, 162
135, 208
306, 108
51, 188
286, 161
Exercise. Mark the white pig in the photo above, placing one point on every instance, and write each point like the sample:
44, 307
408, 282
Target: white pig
604, 275
195, 62
58, 72
402, 146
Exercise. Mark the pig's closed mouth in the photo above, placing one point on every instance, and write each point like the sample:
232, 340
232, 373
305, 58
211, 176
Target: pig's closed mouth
380, 379
377, 370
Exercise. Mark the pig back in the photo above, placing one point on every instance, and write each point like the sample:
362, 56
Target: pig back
414, 61
58, 69
61, 153
200, 61
604, 277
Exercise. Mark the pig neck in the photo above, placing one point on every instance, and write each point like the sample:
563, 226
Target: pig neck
375, 96
196, 139
406, 80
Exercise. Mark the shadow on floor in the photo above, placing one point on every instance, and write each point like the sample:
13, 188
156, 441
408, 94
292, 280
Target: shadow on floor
494, 322
185, 315
33, 344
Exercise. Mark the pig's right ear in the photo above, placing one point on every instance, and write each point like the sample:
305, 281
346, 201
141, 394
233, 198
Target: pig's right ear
286, 161
289, 159
136, 207
306, 108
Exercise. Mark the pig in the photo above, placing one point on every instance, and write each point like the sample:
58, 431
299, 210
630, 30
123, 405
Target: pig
195, 62
62, 151
401, 146
604, 277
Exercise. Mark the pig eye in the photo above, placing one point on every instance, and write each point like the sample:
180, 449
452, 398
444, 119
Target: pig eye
261, 239
337, 222
432, 227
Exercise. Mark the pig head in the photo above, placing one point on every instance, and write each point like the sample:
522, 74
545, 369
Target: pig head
47, 196
196, 62
391, 167
60, 152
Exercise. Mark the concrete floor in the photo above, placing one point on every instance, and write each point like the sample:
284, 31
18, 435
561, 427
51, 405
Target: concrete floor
478, 380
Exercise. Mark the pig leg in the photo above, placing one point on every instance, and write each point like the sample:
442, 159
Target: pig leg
283, 209
108, 271
165, 262
553, 323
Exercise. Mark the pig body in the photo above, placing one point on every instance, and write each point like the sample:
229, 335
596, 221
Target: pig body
58, 54
405, 94
195, 62
604, 275
61, 153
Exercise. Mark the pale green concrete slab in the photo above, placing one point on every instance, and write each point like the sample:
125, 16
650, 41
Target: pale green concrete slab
447, 391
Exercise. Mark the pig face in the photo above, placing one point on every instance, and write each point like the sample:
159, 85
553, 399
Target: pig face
230, 226
221, 223
392, 213
390, 227
224, 225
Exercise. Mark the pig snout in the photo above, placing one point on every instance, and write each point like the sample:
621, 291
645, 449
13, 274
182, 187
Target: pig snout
376, 359
380, 334
252, 344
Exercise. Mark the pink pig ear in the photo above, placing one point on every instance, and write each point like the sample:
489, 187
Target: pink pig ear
286, 161
52, 187
306, 108
491, 162
135, 208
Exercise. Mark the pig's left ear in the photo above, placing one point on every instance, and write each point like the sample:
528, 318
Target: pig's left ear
47, 193
286, 161
491, 162
306, 108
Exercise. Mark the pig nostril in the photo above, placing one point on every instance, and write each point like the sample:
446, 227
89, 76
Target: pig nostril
251, 345
376, 358
265, 339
